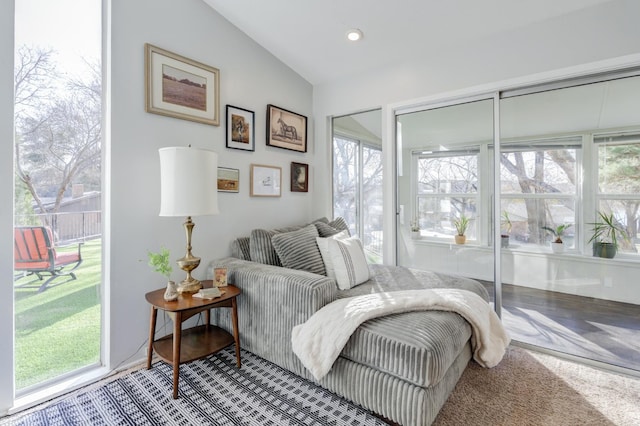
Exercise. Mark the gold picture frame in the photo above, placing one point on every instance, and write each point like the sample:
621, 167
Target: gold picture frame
179, 87
266, 181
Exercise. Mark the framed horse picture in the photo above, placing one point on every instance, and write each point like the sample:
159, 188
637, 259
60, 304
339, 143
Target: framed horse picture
240, 128
286, 129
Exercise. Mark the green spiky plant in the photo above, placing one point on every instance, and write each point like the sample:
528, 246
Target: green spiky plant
607, 230
558, 231
461, 224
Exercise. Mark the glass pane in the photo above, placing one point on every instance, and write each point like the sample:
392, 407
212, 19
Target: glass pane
58, 184
437, 214
345, 181
372, 202
538, 172
579, 304
524, 220
619, 168
456, 174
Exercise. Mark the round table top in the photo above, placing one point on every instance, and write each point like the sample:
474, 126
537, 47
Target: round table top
187, 301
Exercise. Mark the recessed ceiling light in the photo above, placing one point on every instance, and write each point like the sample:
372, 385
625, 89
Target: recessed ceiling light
354, 34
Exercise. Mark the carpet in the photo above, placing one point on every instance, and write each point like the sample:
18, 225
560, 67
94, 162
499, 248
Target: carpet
213, 391
526, 388
531, 388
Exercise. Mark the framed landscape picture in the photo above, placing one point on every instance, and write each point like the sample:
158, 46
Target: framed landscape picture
240, 128
286, 129
228, 180
299, 177
266, 181
178, 87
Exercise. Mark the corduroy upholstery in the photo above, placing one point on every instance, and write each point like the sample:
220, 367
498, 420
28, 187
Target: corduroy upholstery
402, 366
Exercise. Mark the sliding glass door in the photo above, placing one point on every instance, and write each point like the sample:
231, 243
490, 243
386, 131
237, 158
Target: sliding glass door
567, 170
570, 159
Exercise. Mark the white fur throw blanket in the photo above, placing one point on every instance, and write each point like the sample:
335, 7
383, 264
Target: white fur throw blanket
319, 341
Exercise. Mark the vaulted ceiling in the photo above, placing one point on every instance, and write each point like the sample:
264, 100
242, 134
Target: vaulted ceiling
310, 35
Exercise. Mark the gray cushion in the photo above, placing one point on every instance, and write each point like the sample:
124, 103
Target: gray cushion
298, 250
240, 248
331, 228
260, 247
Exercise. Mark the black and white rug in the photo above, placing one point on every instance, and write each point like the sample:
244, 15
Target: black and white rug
213, 391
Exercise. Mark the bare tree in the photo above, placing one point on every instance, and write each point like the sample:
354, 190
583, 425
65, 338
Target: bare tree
58, 125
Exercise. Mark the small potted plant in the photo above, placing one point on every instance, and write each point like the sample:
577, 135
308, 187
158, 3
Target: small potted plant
557, 245
160, 263
461, 224
415, 229
506, 226
606, 234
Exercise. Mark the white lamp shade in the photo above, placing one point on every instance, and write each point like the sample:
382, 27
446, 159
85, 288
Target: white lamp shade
188, 182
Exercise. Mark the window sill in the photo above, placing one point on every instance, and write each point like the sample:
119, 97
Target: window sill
522, 250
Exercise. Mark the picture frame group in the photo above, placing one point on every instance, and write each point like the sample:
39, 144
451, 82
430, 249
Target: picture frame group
179, 87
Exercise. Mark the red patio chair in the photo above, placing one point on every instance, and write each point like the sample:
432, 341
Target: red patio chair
34, 253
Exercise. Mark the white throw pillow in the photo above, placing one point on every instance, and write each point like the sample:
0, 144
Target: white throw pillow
323, 245
348, 261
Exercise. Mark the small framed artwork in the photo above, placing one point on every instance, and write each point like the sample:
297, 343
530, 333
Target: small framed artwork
179, 87
240, 128
299, 177
286, 129
228, 180
266, 181
220, 277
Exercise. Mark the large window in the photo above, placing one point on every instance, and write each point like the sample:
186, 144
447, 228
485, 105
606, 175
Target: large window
357, 178
447, 189
539, 190
618, 192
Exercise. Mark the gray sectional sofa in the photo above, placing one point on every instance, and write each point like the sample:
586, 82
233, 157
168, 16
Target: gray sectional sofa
402, 367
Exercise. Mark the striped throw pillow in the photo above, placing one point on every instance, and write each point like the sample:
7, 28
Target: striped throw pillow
349, 262
298, 250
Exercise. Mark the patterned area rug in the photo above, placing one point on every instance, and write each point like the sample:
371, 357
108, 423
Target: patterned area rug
213, 391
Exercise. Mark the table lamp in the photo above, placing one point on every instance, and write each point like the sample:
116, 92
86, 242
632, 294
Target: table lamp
188, 188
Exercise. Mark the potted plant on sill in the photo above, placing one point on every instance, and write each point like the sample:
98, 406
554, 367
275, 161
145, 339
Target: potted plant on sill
606, 234
557, 245
506, 226
415, 230
461, 224
160, 263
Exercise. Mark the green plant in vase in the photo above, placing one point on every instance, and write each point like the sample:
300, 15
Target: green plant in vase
606, 234
505, 224
461, 223
160, 263
557, 245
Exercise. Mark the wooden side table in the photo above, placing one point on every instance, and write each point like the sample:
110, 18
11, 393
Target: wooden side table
196, 342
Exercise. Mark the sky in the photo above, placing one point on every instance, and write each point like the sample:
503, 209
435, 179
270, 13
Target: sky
70, 27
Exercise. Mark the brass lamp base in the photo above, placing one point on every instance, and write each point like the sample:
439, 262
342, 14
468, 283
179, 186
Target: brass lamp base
188, 263
189, 287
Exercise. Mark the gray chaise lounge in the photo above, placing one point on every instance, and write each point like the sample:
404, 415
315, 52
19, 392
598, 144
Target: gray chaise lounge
402, 367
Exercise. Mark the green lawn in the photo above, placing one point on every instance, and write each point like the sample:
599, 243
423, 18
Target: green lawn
58, 330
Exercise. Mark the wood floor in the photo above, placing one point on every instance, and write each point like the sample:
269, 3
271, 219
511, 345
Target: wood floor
583, 326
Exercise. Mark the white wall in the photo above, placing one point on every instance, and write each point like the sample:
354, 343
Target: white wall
249, 78
6, 205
